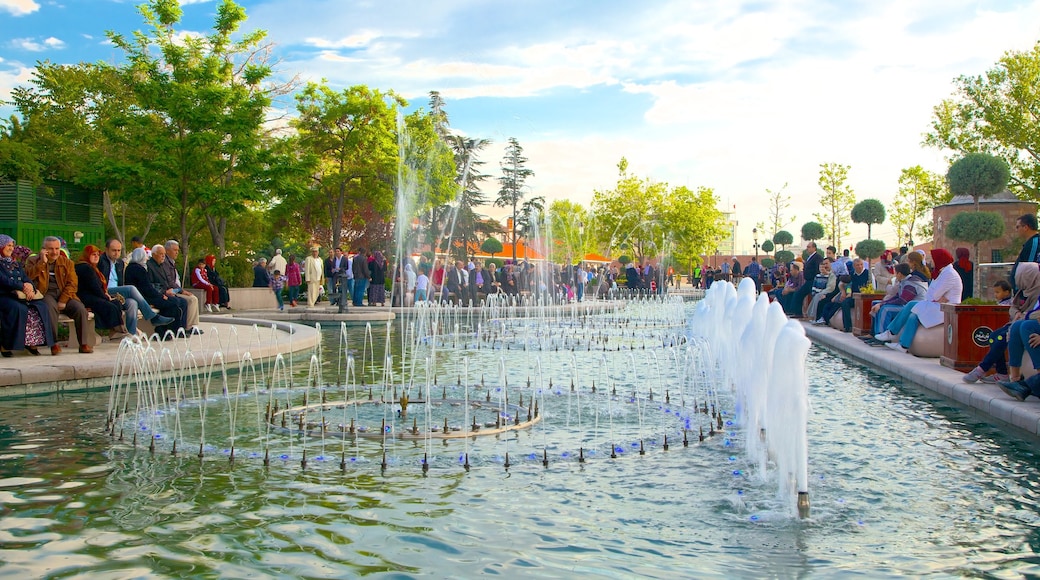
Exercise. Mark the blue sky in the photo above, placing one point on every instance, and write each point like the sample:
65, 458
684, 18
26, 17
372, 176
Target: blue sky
739, 96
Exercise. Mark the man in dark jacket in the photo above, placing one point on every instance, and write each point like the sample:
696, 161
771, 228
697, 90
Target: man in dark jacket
1026, 227
111, 264
161, 281
361, 276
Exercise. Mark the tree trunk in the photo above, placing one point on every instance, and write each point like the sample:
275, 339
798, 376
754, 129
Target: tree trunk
107, 199
337, 218
218, 233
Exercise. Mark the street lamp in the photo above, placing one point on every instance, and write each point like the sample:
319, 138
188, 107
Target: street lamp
754, 236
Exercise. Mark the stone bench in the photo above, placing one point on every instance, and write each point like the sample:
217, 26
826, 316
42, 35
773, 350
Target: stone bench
245, 298
928, 342
70, 324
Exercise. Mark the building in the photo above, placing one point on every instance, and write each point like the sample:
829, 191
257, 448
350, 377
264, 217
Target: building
54, 208
1002, 249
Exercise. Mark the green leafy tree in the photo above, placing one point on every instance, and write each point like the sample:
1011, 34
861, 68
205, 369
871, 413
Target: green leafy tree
813, 231
978, 175
571, 232
467, 221
869, 249
784, 256
783, 238
491, 246
996, 113
513, 181
870, 212
836, 200
197, 118
767, 246
919, 192
351, 134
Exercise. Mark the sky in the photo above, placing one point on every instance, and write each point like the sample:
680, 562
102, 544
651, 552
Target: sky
741, 96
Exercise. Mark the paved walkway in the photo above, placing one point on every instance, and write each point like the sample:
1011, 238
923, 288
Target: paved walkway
990, 402
234, 337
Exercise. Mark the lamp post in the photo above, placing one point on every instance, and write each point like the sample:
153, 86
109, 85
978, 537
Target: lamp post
754, 236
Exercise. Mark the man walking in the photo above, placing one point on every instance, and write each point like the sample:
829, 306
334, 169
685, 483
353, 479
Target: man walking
313, 275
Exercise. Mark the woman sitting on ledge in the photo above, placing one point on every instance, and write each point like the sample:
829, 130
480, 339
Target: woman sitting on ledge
25, 321
93, 293
927, 312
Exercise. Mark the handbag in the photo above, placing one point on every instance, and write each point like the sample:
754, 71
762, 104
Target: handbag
21, 295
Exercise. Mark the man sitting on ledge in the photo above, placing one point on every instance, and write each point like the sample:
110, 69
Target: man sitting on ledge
55, 276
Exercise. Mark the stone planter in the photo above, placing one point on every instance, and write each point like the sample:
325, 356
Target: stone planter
968, 327
861, 319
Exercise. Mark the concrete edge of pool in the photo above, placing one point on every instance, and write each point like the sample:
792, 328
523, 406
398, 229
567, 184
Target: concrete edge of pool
234, 337
985, 398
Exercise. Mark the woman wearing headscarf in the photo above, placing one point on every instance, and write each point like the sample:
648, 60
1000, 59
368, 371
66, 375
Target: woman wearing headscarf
377, 287
1027, 280
215, 279
26, 324
964, 267
885, 274
93, 293
136, 274
927, 313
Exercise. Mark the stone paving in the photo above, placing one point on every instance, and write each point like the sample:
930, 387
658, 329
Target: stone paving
987, 400
234, 337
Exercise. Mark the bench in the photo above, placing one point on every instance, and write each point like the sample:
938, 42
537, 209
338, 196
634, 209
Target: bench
71, 325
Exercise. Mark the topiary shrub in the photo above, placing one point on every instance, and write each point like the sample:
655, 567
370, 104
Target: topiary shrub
768, 262
624, 259
870, 249
784, 256
767, 246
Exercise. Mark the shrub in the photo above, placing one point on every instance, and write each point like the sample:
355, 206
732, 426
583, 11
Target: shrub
784, 256
236, 271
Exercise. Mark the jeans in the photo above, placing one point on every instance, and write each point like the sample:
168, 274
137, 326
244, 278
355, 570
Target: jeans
278, 297
1018, 342
905, 324
884, 317
130, 318
360, 286
998, 346
132, 293
294, 293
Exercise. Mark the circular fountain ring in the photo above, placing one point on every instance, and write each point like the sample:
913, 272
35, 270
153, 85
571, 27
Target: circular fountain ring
510, 418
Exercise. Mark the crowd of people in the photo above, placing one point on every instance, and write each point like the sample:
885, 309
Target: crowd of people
361, 277
36, 289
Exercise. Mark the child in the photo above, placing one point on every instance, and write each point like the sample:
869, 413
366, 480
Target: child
277, 283
422, 282
1002, 292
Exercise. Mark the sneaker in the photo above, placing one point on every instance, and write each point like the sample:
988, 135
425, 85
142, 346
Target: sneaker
994, 378
884, 336
160, 320
895, 346
209, 308
196, 330
973, 375
819, 322
1017, 390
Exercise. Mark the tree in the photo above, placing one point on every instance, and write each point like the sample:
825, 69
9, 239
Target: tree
996, 113
514, 177
812, 231
351, 135
491, 246
869, 249
919, 192
836, 200
778, 203
978, 175
784, 256
466, 220
783, 238
570, 238
870, 212
646, 215
767, 246
197, 119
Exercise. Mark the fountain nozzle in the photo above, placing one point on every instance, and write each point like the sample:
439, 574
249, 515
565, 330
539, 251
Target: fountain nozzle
545, 458
425, 462
803, 504
465, 464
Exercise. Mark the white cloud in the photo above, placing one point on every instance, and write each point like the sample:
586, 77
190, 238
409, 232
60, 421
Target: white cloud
186, 2
32, 45
13, 77
19, 7
360, 39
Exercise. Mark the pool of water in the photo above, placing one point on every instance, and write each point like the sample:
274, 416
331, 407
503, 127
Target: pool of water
901, 483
